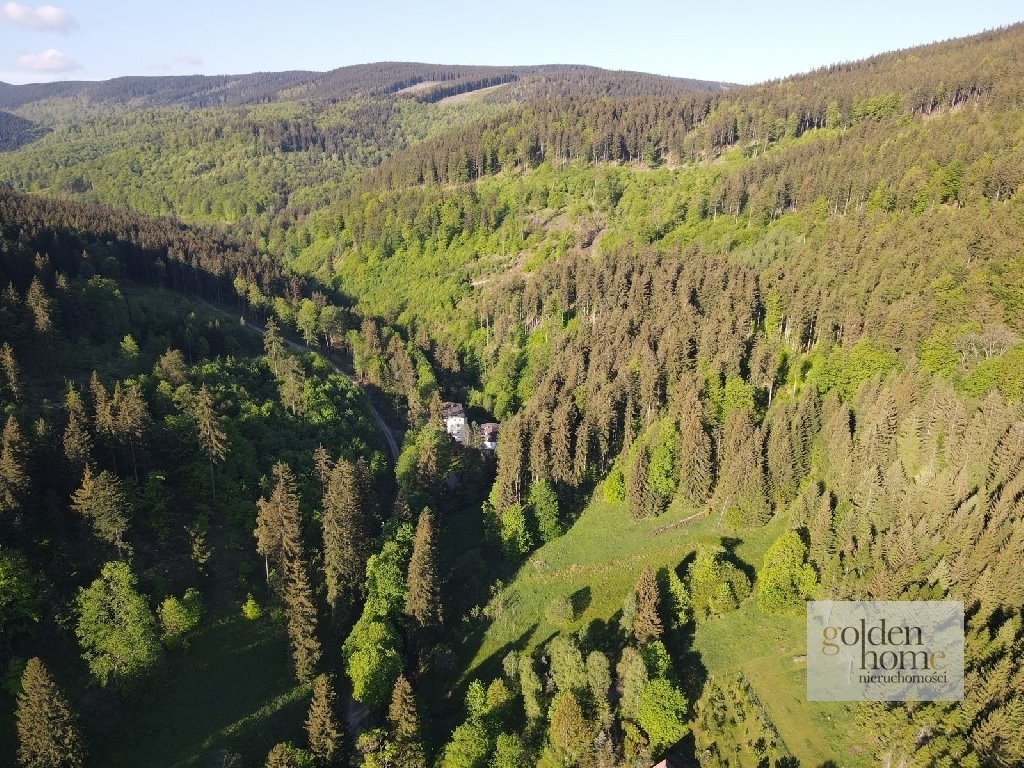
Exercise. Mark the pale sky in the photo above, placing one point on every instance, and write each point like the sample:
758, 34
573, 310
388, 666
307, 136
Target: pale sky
741, 41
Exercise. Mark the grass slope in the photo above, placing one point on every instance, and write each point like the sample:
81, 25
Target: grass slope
599, 560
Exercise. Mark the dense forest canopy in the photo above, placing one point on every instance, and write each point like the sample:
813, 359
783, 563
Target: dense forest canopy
744, 347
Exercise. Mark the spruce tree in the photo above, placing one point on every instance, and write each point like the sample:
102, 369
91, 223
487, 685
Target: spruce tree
301, 614
277, 519
212, 440
103, 414
279, 537
346, 532
9, 366
322, 727
641, 500
131, 419
423, 599
77, 440
405, 724
13, 478
647, 620
48, 731
101, 500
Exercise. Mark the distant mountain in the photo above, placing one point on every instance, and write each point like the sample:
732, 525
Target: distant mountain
430, 82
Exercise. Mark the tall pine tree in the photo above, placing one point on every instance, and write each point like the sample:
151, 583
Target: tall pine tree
322, 727
346, 532
48, 731
405, 724
423, 599
212, 440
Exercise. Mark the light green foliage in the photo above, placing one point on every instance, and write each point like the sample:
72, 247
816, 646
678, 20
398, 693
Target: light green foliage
843, 371
614, 486
372, 662
936, 353
662, 474
516, 541
508, 752
251, 609
785, 580
657, 659
287, 755
116, 629
530, 686
716, 586
676, 597
566, 664
129, 347
469, 746
662, 713
631, 672
738, 395
179, 617
543, 501
559, 611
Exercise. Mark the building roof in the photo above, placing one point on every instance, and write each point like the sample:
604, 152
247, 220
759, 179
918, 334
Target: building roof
452, 410
488, 429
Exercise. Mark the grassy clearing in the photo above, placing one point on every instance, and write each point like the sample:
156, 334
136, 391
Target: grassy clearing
230, 690
599, 560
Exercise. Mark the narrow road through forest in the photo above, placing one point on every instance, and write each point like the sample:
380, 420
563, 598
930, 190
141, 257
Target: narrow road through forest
385, 430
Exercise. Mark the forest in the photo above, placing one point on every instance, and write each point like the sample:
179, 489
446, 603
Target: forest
745, 347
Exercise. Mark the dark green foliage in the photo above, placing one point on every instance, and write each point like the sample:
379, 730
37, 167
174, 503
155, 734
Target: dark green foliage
346, 531
322, 727
423, 597
48, 730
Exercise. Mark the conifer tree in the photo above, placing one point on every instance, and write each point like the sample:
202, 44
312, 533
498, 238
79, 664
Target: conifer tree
41, 307
346, 532
322, 466
103, 414
212, 440
301, 614
781, 462
423, 600
641, 501
405, 724
101, 499
77, 440
273, 346
279, 537
322, 727
48, 731
277, 519
9, 366
131, 417
647, 624
13, 478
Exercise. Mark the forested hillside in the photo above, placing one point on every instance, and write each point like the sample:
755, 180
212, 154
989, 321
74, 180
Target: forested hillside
746, 347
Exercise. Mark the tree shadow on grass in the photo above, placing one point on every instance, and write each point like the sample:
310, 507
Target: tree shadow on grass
231, 690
